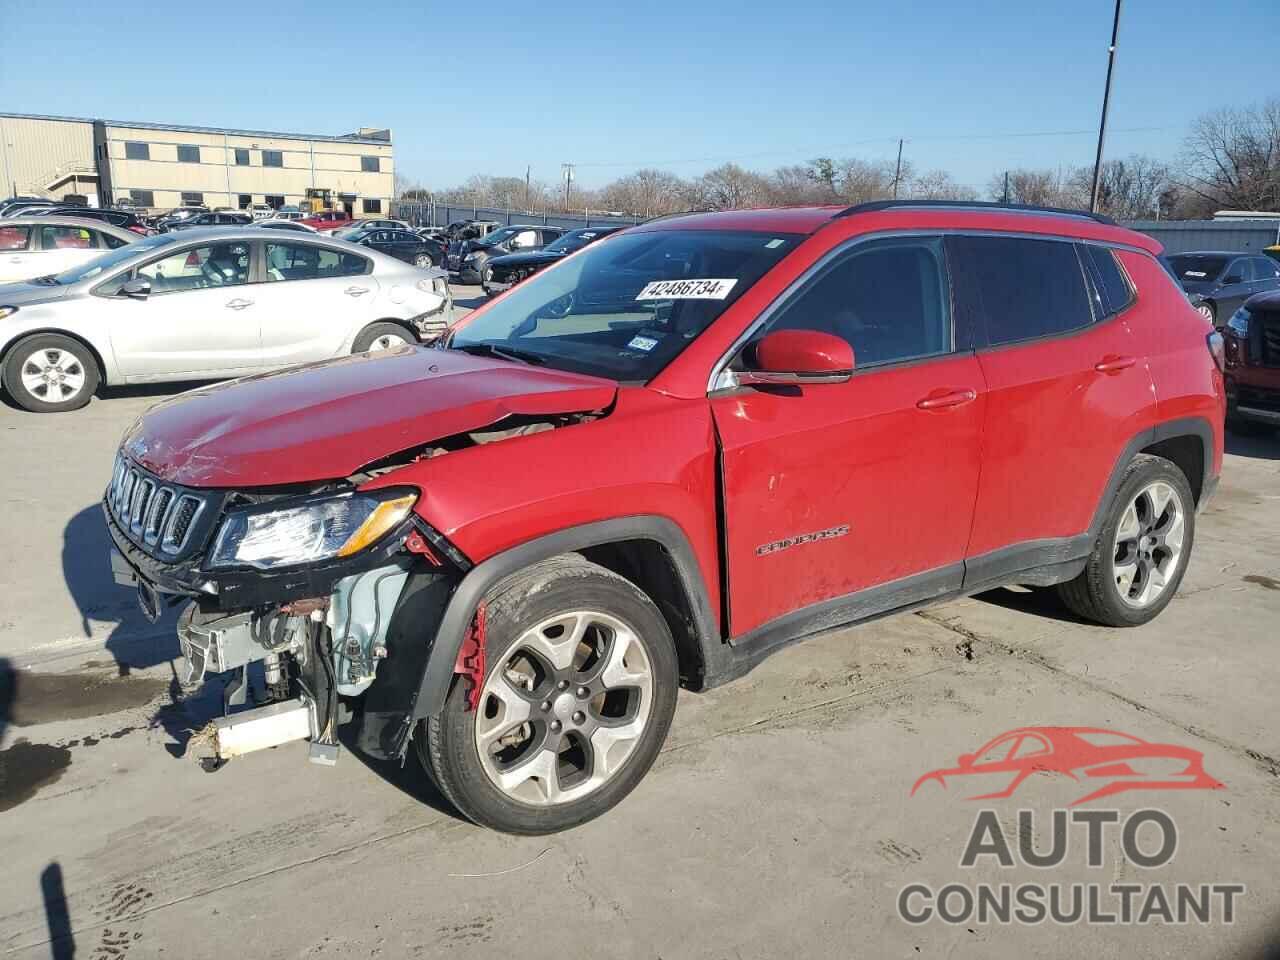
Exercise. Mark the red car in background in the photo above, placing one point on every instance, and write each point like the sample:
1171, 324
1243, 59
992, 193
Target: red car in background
327, 221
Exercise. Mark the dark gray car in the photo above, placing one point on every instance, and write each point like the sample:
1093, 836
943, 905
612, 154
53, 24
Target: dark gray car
1219, 281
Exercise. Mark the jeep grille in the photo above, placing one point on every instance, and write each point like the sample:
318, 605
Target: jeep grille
158, 517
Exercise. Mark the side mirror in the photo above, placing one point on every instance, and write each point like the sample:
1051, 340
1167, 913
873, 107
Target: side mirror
1234, 278
794, 358
139, 288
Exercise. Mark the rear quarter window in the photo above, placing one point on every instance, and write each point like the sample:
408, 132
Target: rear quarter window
1114, 292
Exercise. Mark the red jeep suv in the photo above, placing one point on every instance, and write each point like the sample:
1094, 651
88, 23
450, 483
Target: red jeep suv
658, 461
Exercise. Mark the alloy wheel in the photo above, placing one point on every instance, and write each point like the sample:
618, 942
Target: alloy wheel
53, 375
1148, 544
1205, 311
565, 709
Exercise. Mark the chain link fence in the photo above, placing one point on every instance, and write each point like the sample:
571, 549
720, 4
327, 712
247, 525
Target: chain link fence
428, 213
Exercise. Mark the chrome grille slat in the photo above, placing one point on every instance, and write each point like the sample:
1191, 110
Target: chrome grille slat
158, 517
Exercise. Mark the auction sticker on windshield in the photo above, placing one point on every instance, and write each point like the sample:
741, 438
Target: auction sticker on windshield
687, 290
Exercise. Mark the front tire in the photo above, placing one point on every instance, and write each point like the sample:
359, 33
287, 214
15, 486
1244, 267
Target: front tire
381, 336
577, 700
50, 373
1141, 552
423, 261
1207, 310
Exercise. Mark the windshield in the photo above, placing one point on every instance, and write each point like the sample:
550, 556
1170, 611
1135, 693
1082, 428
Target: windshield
106, 262
625, 307
1197, 268
575, 240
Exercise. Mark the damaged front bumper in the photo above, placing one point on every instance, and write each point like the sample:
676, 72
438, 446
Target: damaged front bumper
362, 626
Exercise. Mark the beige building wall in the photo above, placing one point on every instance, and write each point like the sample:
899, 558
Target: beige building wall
222, 177
45, 157
54, 156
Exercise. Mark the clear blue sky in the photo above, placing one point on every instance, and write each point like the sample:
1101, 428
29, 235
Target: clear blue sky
488, 87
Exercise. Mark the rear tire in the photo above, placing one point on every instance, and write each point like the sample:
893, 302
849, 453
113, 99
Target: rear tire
1142, 550
1209, 311
579, 691
51, 373
382, 336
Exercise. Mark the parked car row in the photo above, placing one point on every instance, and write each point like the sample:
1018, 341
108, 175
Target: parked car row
1218, 282
195, 304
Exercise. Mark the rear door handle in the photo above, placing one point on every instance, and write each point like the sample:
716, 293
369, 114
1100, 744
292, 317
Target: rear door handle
356, 291
941, 399
239, 304
1114, 363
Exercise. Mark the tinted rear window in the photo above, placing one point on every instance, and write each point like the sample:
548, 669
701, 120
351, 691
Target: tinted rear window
1196, 267
1027, 288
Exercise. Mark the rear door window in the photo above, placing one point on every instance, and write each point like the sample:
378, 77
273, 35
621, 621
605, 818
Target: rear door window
302, 261
1026, 289
66, 238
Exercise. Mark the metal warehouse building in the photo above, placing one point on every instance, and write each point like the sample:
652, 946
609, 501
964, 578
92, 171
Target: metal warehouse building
164, 165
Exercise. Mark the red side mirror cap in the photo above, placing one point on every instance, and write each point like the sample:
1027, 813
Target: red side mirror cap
806, 354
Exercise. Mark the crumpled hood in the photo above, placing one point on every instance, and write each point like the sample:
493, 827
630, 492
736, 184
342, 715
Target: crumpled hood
327, 420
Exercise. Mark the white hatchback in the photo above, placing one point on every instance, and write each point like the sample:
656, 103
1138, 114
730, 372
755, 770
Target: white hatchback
207, 304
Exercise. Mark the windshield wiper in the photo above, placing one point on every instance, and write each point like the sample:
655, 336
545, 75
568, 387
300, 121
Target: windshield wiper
504, 352
49, 279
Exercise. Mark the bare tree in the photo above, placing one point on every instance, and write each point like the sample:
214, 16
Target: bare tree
938, 185
1231, 158
1128, 189
646, 193
1040, 188
729, 187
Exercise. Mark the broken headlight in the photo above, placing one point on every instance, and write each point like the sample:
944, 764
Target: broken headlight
321, 528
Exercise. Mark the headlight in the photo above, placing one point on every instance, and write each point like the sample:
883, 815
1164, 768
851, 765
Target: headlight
322, 529
470, 258
7, 312
1239, 323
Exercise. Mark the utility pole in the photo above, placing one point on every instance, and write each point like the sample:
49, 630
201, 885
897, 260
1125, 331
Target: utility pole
1106, 102
566, 171
527, 171
897, 173
1005, 198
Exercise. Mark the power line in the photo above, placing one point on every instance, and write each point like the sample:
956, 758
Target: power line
887, 141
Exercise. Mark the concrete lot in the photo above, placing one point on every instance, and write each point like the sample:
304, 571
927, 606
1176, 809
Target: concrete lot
777, 820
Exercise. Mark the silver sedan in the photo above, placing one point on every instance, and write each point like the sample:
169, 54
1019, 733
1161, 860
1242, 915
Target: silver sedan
206, 305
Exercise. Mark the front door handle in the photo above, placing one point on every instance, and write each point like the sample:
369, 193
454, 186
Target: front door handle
1114, 363
941, 399
15, 259
239, 304
356, 291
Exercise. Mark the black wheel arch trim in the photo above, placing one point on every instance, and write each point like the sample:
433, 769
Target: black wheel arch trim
466, 596
1197, 427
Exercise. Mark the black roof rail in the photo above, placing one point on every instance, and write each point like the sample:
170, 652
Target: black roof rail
877, 205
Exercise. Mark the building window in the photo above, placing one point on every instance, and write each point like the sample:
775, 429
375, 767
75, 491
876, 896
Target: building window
272, 158
188, 154
192, 199
242, 157
133, 150
372, 206
369, 164
245, 199
143, 198
275, 203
